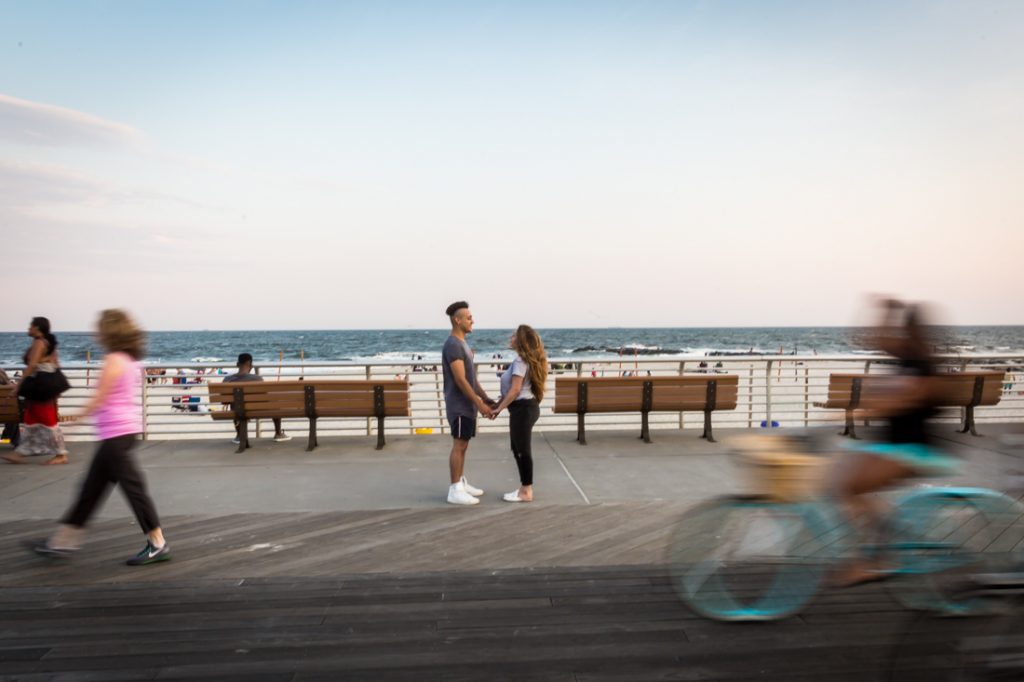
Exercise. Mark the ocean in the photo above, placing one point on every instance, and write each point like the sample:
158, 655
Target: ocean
577, 344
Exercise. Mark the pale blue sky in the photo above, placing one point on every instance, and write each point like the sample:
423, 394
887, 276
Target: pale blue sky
360, 165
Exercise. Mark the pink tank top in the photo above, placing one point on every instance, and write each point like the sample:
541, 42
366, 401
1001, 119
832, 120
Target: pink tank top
121, 413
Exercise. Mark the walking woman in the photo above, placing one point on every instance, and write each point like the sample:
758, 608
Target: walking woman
522, 389
117, 409
40, 432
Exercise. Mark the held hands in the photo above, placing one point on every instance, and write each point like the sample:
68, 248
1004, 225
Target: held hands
488, 408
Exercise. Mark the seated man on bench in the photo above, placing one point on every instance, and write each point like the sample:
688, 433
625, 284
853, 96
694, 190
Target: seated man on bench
245, 373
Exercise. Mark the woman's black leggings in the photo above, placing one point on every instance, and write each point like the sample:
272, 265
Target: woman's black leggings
113, 464
522, 415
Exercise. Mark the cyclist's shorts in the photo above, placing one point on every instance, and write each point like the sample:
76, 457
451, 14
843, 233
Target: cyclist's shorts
923, 459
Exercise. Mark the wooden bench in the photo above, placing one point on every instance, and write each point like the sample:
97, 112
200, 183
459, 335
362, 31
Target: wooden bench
687, 393
311, 400
851, 392
10, 406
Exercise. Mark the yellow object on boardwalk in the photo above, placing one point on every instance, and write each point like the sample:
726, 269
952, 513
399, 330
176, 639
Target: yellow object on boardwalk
777, 467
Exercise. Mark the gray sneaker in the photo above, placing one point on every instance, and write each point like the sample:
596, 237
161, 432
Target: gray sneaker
150, 555
43, 549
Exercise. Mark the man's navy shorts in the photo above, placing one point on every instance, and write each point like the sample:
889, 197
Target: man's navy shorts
463, 428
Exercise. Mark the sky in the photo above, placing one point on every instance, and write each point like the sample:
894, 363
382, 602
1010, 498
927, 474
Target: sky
333, 165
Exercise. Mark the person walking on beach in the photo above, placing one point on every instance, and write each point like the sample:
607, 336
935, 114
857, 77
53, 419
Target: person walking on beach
245, 373
463, 398
117, 408
522, 389
40, 432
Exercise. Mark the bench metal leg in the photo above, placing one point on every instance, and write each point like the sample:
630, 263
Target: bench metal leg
380, 433
312, 436
851, 428
242, 431
581, 431
968, 421
645, 428
707, 427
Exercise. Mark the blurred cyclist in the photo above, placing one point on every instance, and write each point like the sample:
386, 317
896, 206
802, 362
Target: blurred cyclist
906, 401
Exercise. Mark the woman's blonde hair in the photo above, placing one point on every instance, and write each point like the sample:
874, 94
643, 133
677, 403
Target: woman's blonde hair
119, 333
531, 349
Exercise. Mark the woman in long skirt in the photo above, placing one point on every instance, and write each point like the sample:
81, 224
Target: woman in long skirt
40, 432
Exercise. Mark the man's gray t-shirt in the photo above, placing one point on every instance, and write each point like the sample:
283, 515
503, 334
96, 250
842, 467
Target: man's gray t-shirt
242, 377
456, 403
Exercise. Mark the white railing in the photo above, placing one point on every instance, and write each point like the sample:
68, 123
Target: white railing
777, 389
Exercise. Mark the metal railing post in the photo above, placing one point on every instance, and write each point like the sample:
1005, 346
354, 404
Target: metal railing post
369, 420
807, 395
258, 431
439, 388
768, 394
682, 421
145, 405
750, 397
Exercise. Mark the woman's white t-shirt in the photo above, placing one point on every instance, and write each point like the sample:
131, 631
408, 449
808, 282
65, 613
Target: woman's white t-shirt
518, 368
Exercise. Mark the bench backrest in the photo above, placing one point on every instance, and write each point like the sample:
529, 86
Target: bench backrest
958, 389
327, 397
626, 394
8, 403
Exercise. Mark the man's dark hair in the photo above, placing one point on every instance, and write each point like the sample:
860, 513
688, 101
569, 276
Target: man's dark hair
244, 359
455, 307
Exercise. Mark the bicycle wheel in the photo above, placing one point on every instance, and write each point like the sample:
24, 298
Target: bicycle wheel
942, 536
738, 558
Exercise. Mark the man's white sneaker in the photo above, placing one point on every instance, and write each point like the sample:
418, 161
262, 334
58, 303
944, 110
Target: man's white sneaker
282, 437
457, 495
475, 492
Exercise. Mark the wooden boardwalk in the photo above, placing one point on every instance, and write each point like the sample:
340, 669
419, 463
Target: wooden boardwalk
620, 624
339, 543
573, 593
297, 581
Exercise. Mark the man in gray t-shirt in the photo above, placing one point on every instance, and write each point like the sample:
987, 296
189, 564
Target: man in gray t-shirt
463, 398
245, 373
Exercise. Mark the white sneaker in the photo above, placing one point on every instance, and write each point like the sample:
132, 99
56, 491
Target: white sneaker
457, 495
475, 492
235, 441
282, 438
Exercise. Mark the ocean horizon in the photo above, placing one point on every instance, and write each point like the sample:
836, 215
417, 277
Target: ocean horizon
424, 345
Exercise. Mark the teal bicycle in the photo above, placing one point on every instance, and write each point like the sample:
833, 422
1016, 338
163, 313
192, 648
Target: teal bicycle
765, 556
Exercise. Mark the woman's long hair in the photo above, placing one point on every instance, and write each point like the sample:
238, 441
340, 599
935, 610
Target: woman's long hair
119, 333
531, 349
43, 325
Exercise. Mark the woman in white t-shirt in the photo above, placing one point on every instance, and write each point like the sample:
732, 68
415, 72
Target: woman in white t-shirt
522, 388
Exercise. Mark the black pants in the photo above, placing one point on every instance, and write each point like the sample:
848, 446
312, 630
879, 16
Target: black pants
113, 464
11, 433
522, 415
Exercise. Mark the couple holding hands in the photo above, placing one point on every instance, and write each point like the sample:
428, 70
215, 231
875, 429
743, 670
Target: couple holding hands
522, 388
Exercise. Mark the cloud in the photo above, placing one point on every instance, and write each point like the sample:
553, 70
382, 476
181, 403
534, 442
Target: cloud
47, 125
30, 184
36, 186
